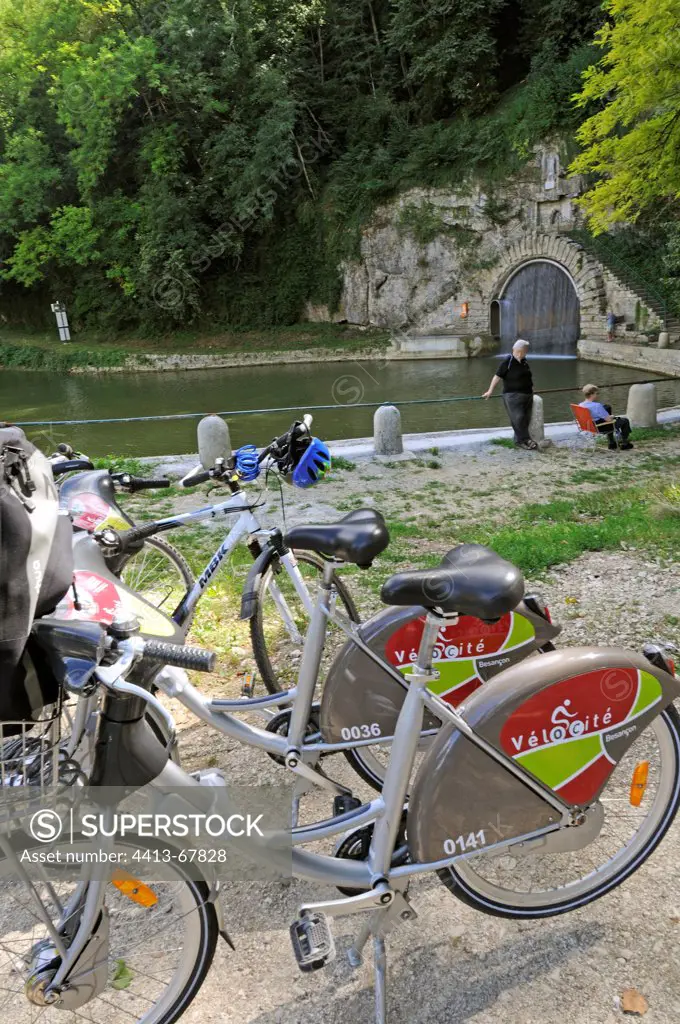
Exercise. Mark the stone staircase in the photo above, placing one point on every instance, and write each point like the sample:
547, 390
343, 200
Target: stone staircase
636, 280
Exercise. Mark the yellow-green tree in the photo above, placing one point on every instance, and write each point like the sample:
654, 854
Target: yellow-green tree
632, 142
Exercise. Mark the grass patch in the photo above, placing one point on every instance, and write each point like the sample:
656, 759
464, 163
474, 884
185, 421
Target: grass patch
340, 462
653, 433
502, 442
59, 357
123, 464
42, 351
544, 535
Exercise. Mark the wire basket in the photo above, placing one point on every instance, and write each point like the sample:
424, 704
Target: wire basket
34, 767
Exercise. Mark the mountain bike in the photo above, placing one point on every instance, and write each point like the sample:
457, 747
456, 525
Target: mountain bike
548, 787
286, 586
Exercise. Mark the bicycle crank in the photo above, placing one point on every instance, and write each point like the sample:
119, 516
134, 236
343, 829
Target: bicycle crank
279, 725
355, 845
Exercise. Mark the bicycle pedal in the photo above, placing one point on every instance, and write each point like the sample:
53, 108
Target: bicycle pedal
313, 943
247, 684
344, 803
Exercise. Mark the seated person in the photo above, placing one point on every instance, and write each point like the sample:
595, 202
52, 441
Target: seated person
613, 426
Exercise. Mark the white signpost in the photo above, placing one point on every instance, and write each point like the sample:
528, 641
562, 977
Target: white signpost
59, 310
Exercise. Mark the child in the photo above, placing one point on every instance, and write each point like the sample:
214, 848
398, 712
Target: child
613, 426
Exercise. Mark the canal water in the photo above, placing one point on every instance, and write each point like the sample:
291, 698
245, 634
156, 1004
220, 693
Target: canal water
50, 396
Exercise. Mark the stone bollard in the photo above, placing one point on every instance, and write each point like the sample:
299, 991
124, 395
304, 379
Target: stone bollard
387, 431
213, 440
641, 410
537, 424
663, 341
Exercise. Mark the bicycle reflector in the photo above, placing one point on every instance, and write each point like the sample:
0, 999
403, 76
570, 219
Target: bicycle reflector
639, 783
313, 464
133, 889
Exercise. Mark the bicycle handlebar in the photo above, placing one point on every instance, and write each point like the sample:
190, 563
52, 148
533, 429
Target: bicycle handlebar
182, 657
139, 483
70, 466
298, 429
279, 450
197, 476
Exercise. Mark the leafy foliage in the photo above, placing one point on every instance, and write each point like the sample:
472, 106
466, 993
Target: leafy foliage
175, 162
632, 142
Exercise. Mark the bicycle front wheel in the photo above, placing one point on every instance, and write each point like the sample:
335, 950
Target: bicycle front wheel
159, 574
280, 622
158, 955
536, 882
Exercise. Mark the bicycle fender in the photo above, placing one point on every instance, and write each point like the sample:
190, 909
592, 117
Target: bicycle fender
360, 699
252, 585
567, 718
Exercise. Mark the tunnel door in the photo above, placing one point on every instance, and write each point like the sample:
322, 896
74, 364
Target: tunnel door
541, 305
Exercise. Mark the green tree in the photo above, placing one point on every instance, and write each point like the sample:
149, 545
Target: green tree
632, 142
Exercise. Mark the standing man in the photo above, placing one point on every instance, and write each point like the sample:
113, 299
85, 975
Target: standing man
611, 325
518, 392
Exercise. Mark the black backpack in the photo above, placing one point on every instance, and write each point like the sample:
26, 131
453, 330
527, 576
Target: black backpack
36, 570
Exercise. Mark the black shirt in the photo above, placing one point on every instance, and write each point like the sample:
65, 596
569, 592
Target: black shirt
516, 376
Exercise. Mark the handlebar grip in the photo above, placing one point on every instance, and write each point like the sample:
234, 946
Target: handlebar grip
193, 478
65, 449
140, 483
182, 657
129, 538
70, 466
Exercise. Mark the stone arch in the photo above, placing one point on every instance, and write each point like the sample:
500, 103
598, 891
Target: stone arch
584, 271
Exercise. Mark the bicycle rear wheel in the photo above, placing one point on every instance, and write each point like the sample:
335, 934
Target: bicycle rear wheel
535, 882
158, 958
160, 574
280, 622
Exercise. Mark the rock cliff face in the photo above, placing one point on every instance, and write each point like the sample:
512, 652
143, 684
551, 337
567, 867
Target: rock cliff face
433, 261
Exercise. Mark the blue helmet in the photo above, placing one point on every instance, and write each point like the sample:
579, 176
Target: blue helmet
313, 465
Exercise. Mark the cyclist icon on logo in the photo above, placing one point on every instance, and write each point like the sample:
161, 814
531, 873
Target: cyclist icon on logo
560, 718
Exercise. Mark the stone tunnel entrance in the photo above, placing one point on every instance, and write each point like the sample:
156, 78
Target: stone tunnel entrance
539, 303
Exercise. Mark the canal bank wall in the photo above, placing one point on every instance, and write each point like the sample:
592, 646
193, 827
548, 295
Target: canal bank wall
641, 357
406, 347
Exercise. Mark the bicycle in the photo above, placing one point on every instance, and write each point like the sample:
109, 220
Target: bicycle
287, 583
353, 686
486, 801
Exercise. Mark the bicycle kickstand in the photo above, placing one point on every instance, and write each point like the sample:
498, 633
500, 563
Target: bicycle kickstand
377, 926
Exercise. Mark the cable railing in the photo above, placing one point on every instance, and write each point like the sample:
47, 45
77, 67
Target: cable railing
399, 403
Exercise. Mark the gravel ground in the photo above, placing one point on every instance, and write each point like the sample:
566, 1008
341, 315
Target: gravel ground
454, 964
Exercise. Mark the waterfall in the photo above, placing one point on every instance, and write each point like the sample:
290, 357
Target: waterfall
541, 305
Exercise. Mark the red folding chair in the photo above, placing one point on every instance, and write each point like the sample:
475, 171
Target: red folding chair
584, 420
585, 423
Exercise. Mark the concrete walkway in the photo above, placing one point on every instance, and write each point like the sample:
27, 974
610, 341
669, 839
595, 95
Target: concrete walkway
469, 440
444, 440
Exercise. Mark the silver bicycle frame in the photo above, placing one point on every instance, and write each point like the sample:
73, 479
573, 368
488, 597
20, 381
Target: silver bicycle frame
247, 525
297, 754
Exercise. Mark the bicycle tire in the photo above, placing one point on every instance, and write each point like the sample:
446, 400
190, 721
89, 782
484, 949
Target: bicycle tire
257, 627
194, 972
181, 566
460, 882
